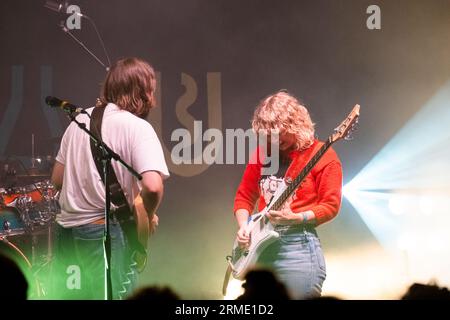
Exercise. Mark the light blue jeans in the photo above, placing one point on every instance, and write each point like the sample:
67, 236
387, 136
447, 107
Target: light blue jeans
297, 260
79, 250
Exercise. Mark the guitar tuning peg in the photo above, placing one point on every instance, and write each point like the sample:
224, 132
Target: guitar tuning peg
336, 130
349, 136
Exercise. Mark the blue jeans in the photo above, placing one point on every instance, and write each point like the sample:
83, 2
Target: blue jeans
297, 260
78, 264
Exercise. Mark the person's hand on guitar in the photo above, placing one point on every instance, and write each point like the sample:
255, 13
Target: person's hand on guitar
243, 236
153, 223
285, 216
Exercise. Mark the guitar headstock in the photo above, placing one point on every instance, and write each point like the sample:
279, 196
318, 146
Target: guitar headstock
345, 129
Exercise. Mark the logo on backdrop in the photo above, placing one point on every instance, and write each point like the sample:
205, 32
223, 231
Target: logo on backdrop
374, 20
74, 20
198, 144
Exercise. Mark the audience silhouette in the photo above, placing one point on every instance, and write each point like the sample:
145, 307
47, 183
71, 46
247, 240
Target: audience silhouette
262, 284
14, 283
418, 291
154, 293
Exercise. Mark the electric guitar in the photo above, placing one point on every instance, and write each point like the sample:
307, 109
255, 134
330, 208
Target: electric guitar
136, 228
262, 232
135, 225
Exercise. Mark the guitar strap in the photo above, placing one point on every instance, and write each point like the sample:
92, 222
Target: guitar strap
299, 163
284, 165
117, 195
122, 213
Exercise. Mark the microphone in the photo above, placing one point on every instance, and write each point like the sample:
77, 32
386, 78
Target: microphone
66, 106
56, 6
61, 7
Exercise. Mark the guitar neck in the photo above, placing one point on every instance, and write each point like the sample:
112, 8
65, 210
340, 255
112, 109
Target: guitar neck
278, 203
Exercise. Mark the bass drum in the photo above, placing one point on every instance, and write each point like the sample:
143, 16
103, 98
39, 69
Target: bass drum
11, 250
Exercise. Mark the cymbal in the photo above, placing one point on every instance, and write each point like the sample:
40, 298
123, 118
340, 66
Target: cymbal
34, 172
33, 175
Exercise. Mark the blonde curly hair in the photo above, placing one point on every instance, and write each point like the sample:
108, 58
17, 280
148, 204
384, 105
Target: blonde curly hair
283, 112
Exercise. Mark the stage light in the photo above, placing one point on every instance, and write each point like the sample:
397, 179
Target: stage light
403, 193
426, 204
405, 242
234, 289
398, 204
365, 271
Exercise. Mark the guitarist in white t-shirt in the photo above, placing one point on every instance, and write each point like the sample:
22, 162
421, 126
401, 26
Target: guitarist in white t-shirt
127, 95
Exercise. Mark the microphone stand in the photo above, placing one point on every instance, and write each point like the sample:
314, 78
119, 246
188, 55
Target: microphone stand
67, 31
107, 156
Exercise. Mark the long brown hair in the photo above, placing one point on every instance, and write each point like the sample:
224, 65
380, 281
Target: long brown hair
130, 84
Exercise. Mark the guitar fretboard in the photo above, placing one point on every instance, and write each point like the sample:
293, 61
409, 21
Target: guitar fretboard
278, 203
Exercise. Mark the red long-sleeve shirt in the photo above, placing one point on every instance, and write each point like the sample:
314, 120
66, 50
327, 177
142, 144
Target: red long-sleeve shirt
321, 190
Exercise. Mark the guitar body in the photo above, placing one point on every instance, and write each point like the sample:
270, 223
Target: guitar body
262, 234
143, 232
136, 228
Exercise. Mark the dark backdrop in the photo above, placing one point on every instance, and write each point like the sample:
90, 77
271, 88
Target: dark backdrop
321, 51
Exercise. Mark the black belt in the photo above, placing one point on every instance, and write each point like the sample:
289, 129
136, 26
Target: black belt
298, 228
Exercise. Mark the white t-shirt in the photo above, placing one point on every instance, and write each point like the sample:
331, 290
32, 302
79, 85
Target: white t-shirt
82, 197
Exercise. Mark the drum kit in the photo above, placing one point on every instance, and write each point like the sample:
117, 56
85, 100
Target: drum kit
28, 207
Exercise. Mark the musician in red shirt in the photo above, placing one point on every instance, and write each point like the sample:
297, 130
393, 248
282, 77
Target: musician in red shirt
296, 256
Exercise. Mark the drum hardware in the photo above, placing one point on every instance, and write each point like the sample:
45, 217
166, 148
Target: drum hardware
17, 250
28, 208
27, 214
32, 251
